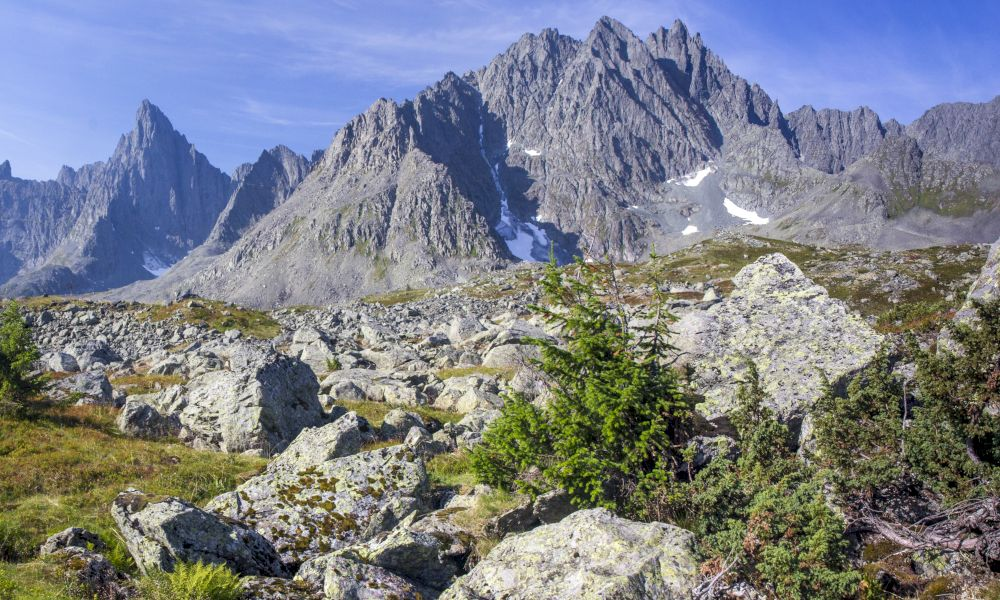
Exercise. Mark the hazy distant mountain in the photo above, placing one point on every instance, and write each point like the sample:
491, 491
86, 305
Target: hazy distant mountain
606, 146
150, 204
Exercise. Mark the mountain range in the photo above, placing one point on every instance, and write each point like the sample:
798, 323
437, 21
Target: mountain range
608, 146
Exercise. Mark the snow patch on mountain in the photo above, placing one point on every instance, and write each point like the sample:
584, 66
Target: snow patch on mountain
741, 213
694, 179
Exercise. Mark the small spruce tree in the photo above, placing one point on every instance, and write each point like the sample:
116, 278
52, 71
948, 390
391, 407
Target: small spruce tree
611, 430
17, 353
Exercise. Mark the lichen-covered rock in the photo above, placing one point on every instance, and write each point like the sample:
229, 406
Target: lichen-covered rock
92, 575
256, 406
316, 445
72, 536
314, 348
788, 326
276, 588
985, 288
589, 554
308, 511
159, 531
345, 579
139, 419
426, 557
468, 394
397, 424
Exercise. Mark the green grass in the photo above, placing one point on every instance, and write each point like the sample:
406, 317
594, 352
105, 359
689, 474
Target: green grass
375, 412
219, 316
61, 466
501, 372
36, 580
397, 297
144, 383
453, 470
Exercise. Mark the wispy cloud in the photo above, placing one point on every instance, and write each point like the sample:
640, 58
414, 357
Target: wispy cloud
10, 135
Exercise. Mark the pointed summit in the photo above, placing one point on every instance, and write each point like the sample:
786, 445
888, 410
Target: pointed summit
5, 170
150, 120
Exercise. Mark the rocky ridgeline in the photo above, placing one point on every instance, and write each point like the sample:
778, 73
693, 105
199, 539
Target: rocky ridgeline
345, 509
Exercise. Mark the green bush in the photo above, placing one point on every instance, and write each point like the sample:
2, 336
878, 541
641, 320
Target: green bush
953, 445
191, 581
764, 514
612, 428
867, 422
17, 353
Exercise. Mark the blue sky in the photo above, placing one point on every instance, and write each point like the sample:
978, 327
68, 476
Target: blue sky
237, 77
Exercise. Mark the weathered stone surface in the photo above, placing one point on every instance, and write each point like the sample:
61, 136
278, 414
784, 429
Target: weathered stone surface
306, 511
986, 287
511, 356
426, 557
161, 531
787, 325
139, 419
589, 554
72, 536
89, 387
276, 588
316, 445
92, 353
398, 422
257, 406
468, 394
345, 579
61, 362
550, 507
93, 574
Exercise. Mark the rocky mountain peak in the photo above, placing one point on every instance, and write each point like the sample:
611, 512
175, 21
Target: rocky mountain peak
150, 119
5, 170
830, 139
961, 131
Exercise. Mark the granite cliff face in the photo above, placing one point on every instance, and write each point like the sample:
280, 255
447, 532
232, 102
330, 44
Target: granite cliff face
607, 146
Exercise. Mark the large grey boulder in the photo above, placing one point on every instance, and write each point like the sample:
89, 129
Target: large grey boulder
589, 554
316, 445
159, 531
788, 326
424, 557
258, 405
139, 419
92, 354
61, 362
985, 288
345, 579
89, 387
310, 509
314, 348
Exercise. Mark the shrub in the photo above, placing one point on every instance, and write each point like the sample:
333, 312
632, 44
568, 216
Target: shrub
17, 353
764, 515
617, 414
191, 581
953, 445
867, 422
